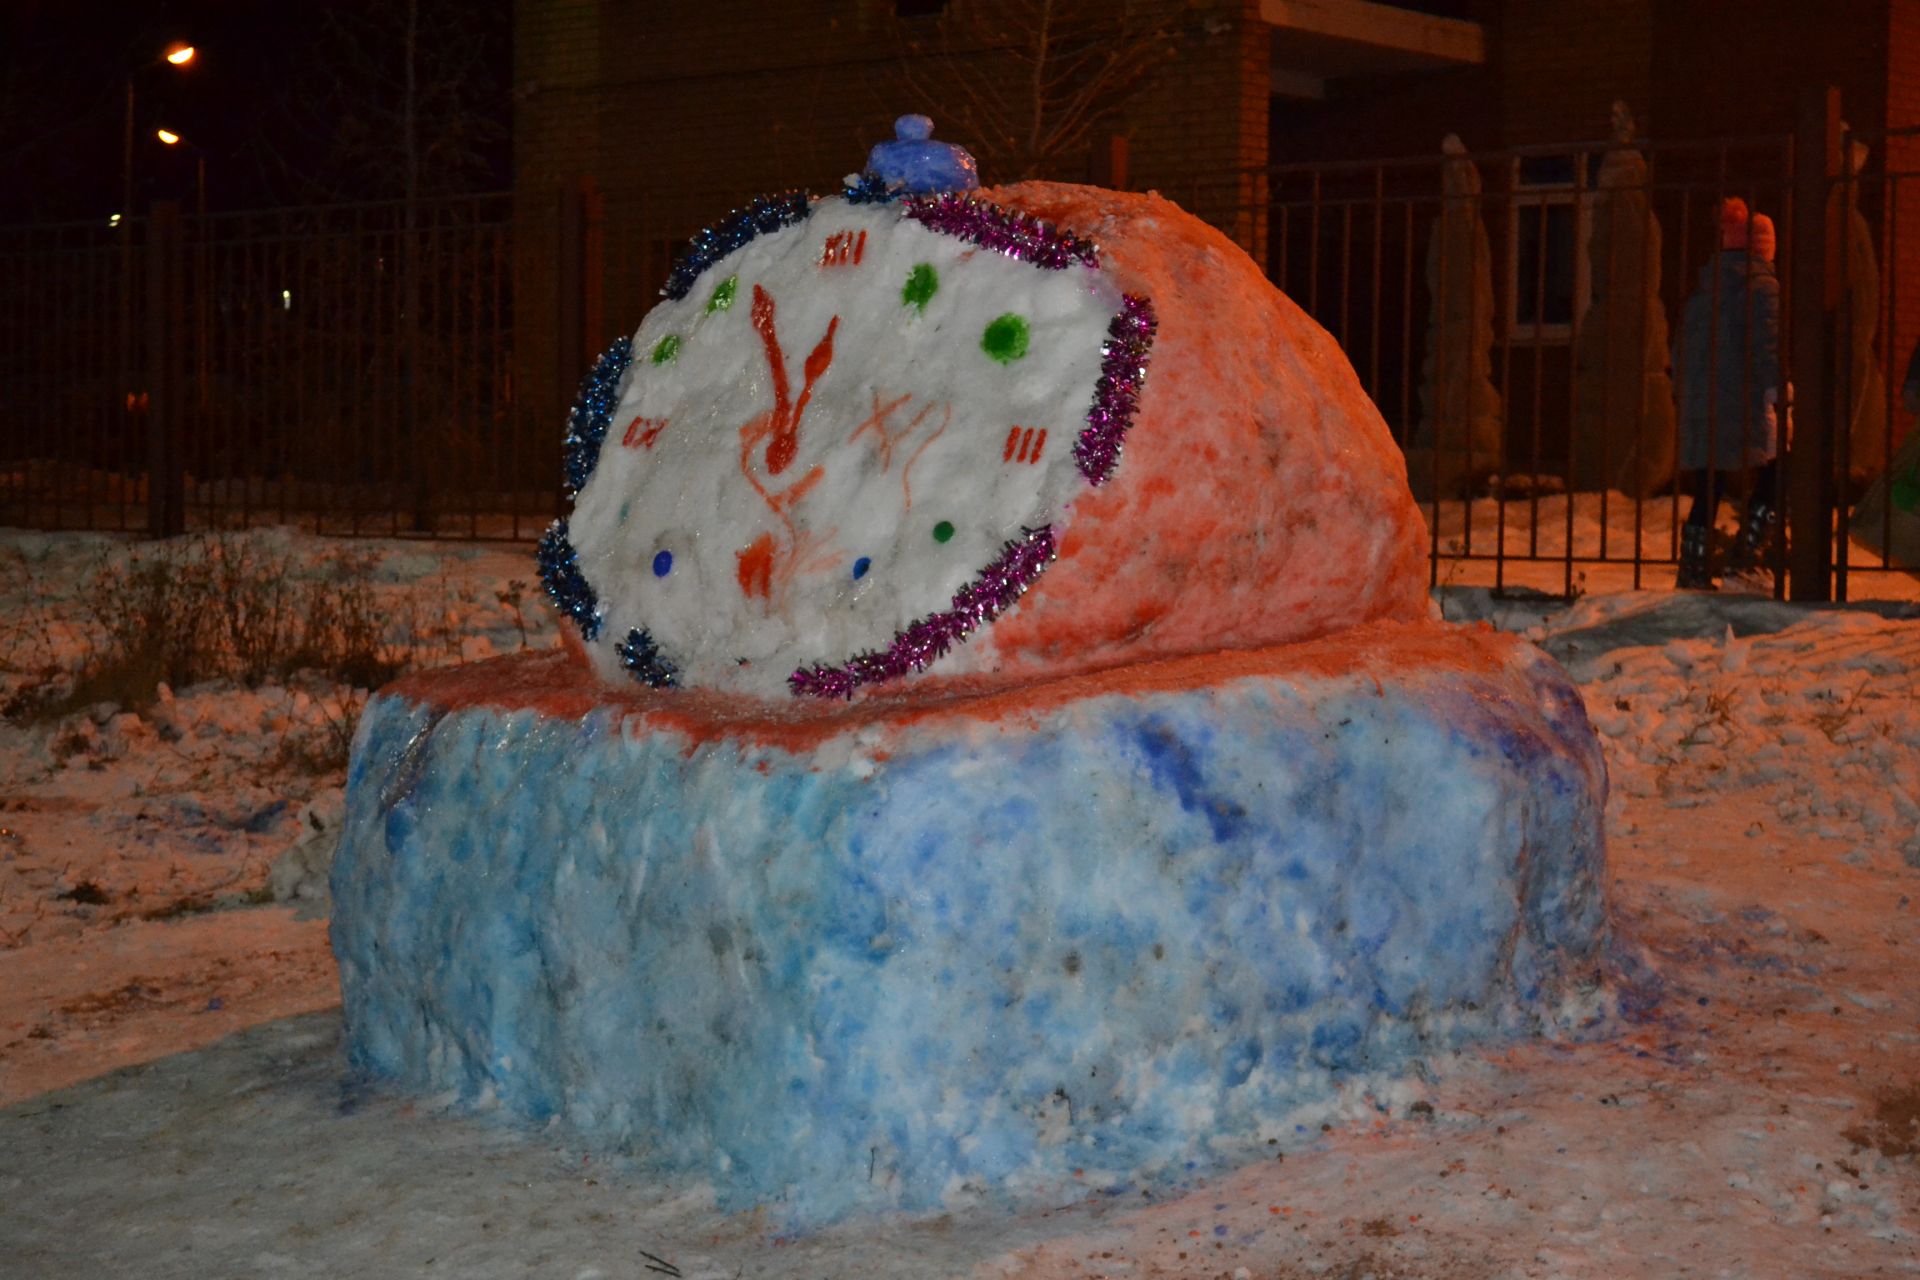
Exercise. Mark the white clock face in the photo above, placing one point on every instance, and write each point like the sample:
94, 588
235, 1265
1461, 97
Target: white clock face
838, 427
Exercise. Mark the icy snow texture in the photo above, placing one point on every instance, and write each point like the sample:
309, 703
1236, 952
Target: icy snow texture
851, 960
1205, 822
884, 420
1259, 497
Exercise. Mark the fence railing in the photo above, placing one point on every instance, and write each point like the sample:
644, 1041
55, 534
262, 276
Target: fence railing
1513, 314
346, 366
1875, 203
1518, 317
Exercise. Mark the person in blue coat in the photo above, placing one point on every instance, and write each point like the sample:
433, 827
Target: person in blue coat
1726, 370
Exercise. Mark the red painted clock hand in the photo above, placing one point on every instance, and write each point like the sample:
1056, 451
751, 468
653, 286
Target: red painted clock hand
785, 422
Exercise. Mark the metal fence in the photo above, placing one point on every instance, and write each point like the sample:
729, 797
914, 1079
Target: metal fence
1515, 317
348, 367
1511, 313
1876, 353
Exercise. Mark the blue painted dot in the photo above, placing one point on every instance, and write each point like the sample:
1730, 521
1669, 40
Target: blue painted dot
860, 567
663, 564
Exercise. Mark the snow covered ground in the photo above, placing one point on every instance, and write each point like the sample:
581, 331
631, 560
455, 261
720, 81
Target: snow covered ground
136, 914
1757, 1113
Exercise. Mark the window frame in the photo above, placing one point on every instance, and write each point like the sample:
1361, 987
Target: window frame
1533, 198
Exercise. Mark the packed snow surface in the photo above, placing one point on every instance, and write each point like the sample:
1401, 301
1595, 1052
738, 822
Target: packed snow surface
219, 803
1112, 931
833, 432
1752, 1117
794, 437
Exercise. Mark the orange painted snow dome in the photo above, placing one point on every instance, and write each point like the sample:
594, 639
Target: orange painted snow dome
1036, 430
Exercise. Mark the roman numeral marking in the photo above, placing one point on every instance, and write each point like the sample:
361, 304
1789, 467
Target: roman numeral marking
642, 432
1024, 445
844, 248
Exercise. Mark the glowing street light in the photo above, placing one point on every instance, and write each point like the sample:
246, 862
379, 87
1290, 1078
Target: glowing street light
163, 501
173, 139
178, 55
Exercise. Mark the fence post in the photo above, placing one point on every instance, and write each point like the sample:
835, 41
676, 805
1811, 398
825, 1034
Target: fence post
570, 290
593, 260
579, 252
1816, 294
166, 321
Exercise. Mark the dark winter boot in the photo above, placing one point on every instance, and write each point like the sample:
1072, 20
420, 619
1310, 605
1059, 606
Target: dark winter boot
1695, 574
1756, 536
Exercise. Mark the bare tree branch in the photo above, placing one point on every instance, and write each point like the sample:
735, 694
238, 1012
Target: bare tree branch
1027, 83
409, 102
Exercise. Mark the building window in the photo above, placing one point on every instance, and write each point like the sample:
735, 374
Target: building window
1547, 234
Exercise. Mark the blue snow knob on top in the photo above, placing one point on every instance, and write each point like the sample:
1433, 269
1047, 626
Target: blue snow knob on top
913, 162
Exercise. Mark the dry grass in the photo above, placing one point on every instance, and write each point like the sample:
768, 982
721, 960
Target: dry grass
230, 606
322, 748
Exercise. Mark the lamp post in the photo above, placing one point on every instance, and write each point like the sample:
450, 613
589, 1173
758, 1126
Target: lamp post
179, 55
172, 139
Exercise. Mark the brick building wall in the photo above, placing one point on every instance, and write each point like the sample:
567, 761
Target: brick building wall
1561, 66
677, 110
1725, 69
1197, 126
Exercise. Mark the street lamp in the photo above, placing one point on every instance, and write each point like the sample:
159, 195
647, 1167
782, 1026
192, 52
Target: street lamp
178, 55
173, 139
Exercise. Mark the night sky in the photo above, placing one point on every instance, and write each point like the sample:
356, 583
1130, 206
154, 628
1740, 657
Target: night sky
290, 102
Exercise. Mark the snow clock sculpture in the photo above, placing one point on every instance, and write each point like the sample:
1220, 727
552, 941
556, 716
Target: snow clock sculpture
1005, 749
848, 438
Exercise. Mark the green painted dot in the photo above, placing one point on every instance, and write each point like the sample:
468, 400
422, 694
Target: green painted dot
1006, 338
723, 294
943, 531
922, 283
666, 349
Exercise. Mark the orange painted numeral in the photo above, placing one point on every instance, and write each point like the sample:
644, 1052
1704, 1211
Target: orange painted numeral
755, 568
844, 248
1024, 444
642, 432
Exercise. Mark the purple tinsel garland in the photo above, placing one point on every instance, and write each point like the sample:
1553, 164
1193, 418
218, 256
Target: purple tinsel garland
1123, 372
924, 642
1002, 230
1096, 451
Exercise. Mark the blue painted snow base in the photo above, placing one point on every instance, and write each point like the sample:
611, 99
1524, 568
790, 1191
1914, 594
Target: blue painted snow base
974, 953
